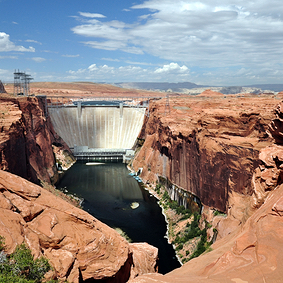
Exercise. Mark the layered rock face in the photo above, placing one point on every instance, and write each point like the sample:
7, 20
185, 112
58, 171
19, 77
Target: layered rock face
78, 246
251, 250
26, 139
207, 146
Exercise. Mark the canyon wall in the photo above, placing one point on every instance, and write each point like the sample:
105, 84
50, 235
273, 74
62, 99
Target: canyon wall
28, 143
206, 146
226, 150
251, 251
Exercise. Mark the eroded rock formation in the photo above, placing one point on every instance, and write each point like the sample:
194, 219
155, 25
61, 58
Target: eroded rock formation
76, 244
26, 139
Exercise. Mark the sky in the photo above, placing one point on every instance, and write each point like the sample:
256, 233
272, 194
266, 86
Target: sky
209, 42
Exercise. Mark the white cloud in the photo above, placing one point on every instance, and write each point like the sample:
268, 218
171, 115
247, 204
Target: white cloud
204, 33
71, 56
139, 63
113, 45
92, 68
173, 72
6, 45
4, 72
38, 59
127, 73
172, 67
91, 15
111, 59
8, 57
33, 41
6, 75
110, 30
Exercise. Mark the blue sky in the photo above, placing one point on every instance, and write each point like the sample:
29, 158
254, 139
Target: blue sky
214, 42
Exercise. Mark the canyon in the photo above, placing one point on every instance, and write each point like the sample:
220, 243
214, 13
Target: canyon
226, 150
78, 246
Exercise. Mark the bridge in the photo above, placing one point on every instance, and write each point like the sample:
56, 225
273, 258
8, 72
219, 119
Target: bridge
98, 128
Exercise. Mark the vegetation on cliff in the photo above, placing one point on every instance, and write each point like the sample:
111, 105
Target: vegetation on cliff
184, 227
20, 265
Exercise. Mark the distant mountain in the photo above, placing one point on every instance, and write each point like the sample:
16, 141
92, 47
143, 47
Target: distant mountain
273, 87
182, 87
163, 86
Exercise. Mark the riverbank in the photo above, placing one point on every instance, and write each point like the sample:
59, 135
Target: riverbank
179, 222
169, 215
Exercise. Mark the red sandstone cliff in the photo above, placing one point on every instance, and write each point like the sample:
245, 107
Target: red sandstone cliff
250, 249
209, 147
26, 139
218, 149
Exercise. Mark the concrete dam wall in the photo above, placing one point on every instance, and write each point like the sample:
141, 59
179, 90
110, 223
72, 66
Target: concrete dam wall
98, 127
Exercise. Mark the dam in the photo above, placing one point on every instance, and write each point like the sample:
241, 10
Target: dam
98, 127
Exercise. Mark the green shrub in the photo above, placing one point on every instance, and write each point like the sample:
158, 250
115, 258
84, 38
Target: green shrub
193, 231
184, 260
180, 247
2, 243
158, 186
166, 197
217, 212
21, 267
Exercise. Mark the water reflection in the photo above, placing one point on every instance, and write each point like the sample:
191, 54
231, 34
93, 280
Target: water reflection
115, 198
106, 180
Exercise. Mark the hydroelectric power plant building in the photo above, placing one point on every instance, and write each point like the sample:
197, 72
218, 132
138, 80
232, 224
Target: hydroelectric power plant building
98, 128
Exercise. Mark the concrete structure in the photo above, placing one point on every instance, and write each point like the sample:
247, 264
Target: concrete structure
97, 130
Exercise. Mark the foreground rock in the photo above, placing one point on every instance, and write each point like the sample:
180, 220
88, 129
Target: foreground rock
78, 246
253, 253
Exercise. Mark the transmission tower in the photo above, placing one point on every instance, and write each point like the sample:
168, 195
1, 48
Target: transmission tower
21, 83
167, 105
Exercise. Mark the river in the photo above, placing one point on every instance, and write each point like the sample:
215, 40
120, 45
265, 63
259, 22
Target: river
114, 197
